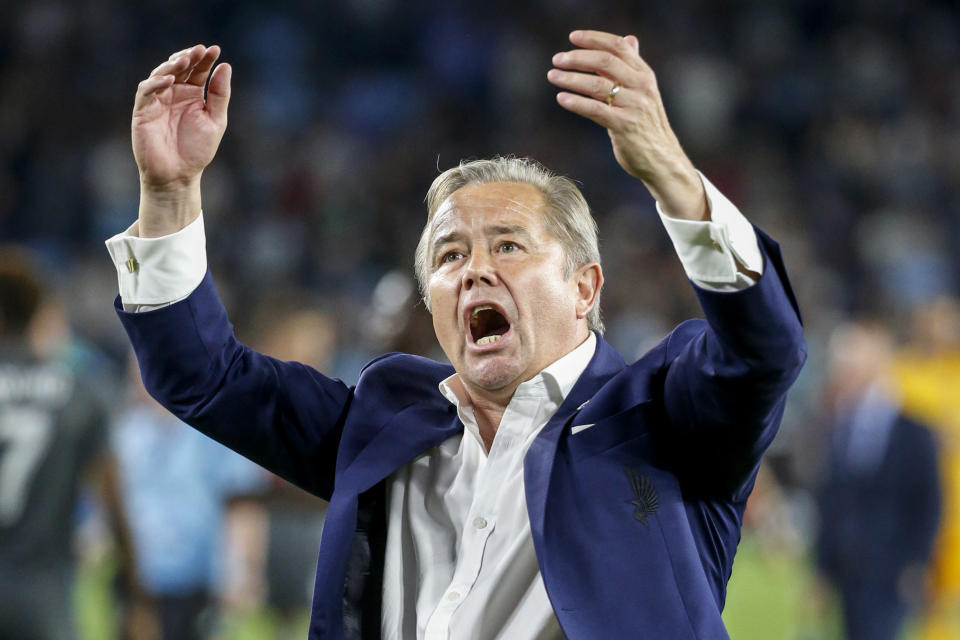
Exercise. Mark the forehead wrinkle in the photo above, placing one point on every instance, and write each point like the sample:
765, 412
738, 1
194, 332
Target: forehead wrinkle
494, 230
490, 231
459, 202
442, 216
523, 207
446, 238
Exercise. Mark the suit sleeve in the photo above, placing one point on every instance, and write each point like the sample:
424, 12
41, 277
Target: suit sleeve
285, 416
726, 379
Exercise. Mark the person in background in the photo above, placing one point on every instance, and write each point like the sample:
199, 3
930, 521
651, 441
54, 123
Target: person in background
53, 437
177, 485
880, 501
928, 377
289, 327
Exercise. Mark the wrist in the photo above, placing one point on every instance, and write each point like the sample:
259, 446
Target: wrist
680, 192
168, 208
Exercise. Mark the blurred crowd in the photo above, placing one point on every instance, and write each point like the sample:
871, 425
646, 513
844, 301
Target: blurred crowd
834, 126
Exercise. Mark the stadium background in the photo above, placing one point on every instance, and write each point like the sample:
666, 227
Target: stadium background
834, 126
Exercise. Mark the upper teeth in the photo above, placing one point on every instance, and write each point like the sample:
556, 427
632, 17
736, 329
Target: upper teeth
477, 310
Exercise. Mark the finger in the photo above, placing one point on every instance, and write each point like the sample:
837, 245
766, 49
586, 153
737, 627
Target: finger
599, 112
603, 63
588, 84
193, 56
198, 76
149, 87
174, 66
218, 93
601, 40
627, 48
179, 53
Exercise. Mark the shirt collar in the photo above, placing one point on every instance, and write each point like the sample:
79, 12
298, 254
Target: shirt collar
555, 381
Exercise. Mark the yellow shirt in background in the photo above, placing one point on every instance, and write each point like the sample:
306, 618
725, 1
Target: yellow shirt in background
930, 388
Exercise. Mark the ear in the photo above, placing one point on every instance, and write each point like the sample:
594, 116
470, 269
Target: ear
589, 281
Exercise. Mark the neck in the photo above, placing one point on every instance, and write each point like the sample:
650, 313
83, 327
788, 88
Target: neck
488, 417
489, 405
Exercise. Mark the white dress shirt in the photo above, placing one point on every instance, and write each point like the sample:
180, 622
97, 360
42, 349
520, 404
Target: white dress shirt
460, 562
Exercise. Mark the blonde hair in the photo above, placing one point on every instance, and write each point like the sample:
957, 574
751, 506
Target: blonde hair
567, 213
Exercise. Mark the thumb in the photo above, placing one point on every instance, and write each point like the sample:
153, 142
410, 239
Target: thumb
218, 93
633, 42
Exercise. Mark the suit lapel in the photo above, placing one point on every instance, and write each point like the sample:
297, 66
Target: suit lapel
426, 424
538, 462
408, 434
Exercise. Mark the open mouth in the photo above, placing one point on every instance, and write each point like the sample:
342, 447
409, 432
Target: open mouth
487, 325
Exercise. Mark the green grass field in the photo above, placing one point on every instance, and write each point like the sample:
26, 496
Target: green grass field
96, 616
770, 597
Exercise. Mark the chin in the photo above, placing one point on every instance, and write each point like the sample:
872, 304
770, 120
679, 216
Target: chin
491, 374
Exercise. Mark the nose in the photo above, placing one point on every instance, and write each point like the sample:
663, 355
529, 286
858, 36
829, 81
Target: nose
480, 270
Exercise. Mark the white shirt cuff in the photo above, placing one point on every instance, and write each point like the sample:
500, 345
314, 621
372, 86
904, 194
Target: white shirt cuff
156, 272
710, 249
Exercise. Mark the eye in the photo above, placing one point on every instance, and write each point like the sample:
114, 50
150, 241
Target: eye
450, 256
508, 246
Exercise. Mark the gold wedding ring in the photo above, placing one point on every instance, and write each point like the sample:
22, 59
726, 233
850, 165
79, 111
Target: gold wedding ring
613, 94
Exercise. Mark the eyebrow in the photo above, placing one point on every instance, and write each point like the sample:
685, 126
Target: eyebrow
489, 231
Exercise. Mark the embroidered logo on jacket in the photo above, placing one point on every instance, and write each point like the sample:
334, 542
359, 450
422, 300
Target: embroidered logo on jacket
647, 501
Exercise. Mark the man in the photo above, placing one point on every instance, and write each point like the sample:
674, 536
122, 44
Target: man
880, 501
53, 431
540, 487
179, 485
927, 371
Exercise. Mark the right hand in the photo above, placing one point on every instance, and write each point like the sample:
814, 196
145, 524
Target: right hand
175, 135
644, 143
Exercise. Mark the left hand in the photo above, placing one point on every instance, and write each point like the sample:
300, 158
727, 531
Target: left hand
643, 141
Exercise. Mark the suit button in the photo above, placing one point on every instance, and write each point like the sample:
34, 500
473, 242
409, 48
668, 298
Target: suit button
480, 523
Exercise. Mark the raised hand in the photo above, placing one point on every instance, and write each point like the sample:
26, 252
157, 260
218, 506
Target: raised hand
608, 82
176, 133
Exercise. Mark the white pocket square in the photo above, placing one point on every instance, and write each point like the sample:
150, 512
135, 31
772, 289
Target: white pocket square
580, 427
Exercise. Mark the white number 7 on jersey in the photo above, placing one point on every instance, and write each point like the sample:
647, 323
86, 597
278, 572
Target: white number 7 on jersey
24, 435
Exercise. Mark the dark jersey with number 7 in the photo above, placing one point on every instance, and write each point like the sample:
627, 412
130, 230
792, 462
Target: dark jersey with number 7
51, 429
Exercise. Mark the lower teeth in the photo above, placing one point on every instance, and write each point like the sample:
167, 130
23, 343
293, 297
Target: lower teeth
488, 339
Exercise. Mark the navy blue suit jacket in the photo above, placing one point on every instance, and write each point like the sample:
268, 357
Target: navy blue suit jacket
873, 525
690, 420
